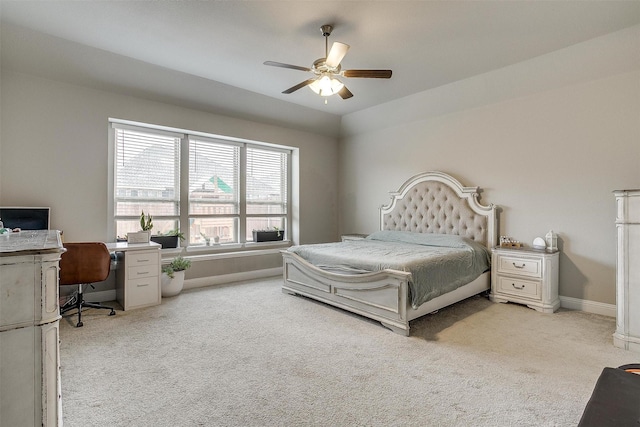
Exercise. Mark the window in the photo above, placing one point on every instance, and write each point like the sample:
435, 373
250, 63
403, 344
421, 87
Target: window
266, 190
147, 178
214, 190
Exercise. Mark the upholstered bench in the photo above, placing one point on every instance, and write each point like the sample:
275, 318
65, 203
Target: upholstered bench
615, 400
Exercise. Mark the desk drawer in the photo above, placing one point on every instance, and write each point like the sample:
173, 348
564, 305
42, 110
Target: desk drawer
141, 292
142, 271
520, 266
142, 258
519, 287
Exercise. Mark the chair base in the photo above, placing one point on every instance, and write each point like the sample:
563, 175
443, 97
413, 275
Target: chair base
77, 301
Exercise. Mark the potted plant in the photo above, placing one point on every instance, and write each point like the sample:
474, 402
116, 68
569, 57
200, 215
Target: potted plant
146, 224
268, 235
173, 276
207, 240
169, 239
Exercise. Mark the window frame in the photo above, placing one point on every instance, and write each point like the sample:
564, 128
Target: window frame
183, 188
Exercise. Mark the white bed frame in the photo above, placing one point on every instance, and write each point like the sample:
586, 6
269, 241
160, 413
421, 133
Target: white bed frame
431, 202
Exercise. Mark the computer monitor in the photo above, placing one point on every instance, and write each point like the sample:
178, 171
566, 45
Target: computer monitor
25, 218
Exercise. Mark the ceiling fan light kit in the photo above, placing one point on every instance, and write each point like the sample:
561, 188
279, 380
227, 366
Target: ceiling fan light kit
326, 86
326, 70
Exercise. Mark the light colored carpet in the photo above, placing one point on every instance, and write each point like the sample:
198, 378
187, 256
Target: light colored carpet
248, 355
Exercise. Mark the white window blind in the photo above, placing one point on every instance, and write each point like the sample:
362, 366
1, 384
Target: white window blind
214, 191
147, 178
213, 178
266, 181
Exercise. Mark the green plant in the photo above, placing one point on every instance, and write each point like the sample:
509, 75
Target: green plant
178, 264
206, 239
146, 222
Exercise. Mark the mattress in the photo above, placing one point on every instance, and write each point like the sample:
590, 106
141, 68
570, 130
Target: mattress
438, 263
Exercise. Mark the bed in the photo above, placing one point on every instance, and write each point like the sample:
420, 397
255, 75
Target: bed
429, 203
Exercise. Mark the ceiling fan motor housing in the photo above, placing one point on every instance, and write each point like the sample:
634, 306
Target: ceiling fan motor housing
320, 66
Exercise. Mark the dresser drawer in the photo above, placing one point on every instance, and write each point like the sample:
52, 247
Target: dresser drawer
520, 266
141, 292
523, 288
142, 258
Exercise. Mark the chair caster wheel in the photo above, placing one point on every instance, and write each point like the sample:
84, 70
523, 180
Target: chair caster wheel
113, 313
79, 324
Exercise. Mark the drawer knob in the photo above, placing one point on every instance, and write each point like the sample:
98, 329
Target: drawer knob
519, 266
517, 287
142, 272
143, 260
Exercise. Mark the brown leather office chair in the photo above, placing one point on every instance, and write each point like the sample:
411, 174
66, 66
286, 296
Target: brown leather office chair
83, 264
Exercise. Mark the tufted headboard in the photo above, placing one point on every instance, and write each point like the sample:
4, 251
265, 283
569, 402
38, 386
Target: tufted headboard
434, 202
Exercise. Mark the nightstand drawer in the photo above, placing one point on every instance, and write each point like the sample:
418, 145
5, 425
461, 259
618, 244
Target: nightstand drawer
520, 266
523, 288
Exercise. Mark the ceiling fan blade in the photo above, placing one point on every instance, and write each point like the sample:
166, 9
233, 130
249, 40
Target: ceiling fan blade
368, 74
345, 93
299, 86
282, 65
337, 52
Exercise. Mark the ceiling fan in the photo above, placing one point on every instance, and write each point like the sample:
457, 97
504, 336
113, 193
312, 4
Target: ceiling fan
326, 69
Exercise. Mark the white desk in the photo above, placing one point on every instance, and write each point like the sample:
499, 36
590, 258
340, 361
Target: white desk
138, 274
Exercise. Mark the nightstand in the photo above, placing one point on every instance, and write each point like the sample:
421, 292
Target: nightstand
346, 237
525, 276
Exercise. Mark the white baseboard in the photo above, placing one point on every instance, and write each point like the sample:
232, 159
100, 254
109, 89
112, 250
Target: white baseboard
202, 282
588, 306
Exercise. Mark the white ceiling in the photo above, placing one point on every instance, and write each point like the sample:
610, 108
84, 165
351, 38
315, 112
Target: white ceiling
426, 43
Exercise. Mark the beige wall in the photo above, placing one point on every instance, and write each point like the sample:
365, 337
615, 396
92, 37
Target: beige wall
547, 139
54, 152
550, 157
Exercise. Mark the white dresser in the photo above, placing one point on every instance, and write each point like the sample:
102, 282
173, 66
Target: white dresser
29, 329
526, 276
627, 333
137, 274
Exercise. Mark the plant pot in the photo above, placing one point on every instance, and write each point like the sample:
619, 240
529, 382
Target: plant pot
138, 237
268, 235
166, 241
172, 287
